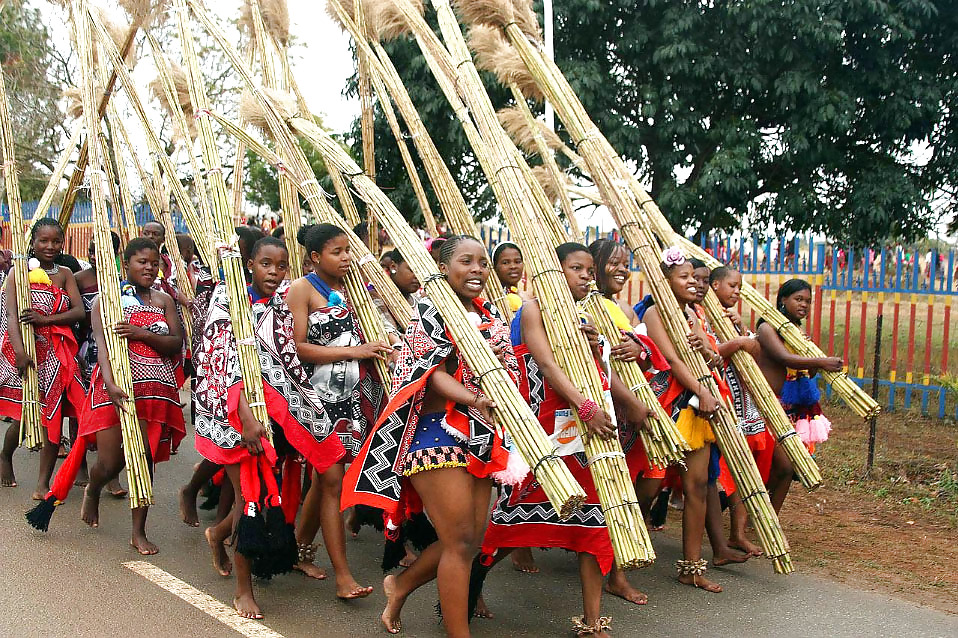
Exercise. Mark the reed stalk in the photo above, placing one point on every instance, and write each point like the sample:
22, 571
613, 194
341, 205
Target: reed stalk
240, 313
512, 411
140, 18
31, 429
613, 179
528, 213
768, 404
134, 451
453, 204
53, 185
366, 123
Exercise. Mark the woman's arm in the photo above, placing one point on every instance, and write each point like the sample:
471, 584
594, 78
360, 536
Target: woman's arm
168, 345
534, 336
21, 360
116, 394
76, 313
774, 348
707, 402
298, 298
635, 410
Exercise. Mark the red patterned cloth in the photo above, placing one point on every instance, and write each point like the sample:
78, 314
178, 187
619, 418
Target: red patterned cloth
57, 370
156, 389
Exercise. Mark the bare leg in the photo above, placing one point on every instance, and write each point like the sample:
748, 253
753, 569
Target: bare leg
455, 501
780, 478
201, 476
398, 587
216, 536
10, 442
523, 561
645, 492
243, 602
722, 554
48, 460
109, 462
139, 541
619, 585
309, 519
225, 504
591, 578
739, 518
330, 484
695, 487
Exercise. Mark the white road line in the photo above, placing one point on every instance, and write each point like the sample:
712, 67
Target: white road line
202, 601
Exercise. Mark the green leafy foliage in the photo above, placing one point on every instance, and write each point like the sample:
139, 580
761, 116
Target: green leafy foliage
832, 116
28, 59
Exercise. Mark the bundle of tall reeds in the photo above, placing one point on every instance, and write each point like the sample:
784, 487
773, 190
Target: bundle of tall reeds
528, 213
384, 22
366, 123
123, 198
856, 398
664, 444
53, 184
171, 83
141, 13
288, 197
111, 312
512, 411
613, 178
31, 430
769, 406
359, 296
198, 228
493, 54
230, 258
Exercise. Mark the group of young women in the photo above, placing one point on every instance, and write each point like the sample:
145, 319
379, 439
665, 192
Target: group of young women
425, 455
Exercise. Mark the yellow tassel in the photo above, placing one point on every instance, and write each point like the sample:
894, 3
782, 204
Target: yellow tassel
694, 429
39, 276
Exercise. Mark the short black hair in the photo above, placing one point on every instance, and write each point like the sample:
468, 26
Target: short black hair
136, 245
568, 248
263, 242
448, 246
396, 256
318, 235
720, 274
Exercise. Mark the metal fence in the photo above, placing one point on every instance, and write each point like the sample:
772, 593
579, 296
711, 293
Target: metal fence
911, 289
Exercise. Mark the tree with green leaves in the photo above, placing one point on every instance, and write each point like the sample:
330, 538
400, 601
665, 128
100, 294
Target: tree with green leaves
30, 63
836, 117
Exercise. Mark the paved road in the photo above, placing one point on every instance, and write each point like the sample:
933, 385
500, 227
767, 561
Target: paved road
72, 582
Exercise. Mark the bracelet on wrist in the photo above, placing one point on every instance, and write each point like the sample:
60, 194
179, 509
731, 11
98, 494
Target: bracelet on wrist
588, 410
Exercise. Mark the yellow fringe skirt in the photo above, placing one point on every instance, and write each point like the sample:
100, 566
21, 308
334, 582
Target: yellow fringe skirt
694, 428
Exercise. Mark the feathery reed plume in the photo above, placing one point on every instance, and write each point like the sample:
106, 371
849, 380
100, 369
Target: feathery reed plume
275, 16
385, 20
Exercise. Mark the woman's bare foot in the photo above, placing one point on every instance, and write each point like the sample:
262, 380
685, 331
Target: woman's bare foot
7, 479
143, 545
729, 556
116, 490
522, 561
408, 559
245, 605
482, 610
188, 509
221, 559
622, 588
745, 545
347, 588
700, 582
390, 617
352, 522
41, 492
90, 510
311, 569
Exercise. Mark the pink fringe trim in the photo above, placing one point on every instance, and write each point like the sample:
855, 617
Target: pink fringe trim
516, 471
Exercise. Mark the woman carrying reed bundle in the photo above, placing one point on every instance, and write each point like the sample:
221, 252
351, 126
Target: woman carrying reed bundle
339, 363
689, 401
152, 333
507, 261
726, 283
442, 445
87, 354
199, 309
522, 516
228, 434
790, 377
56, 306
